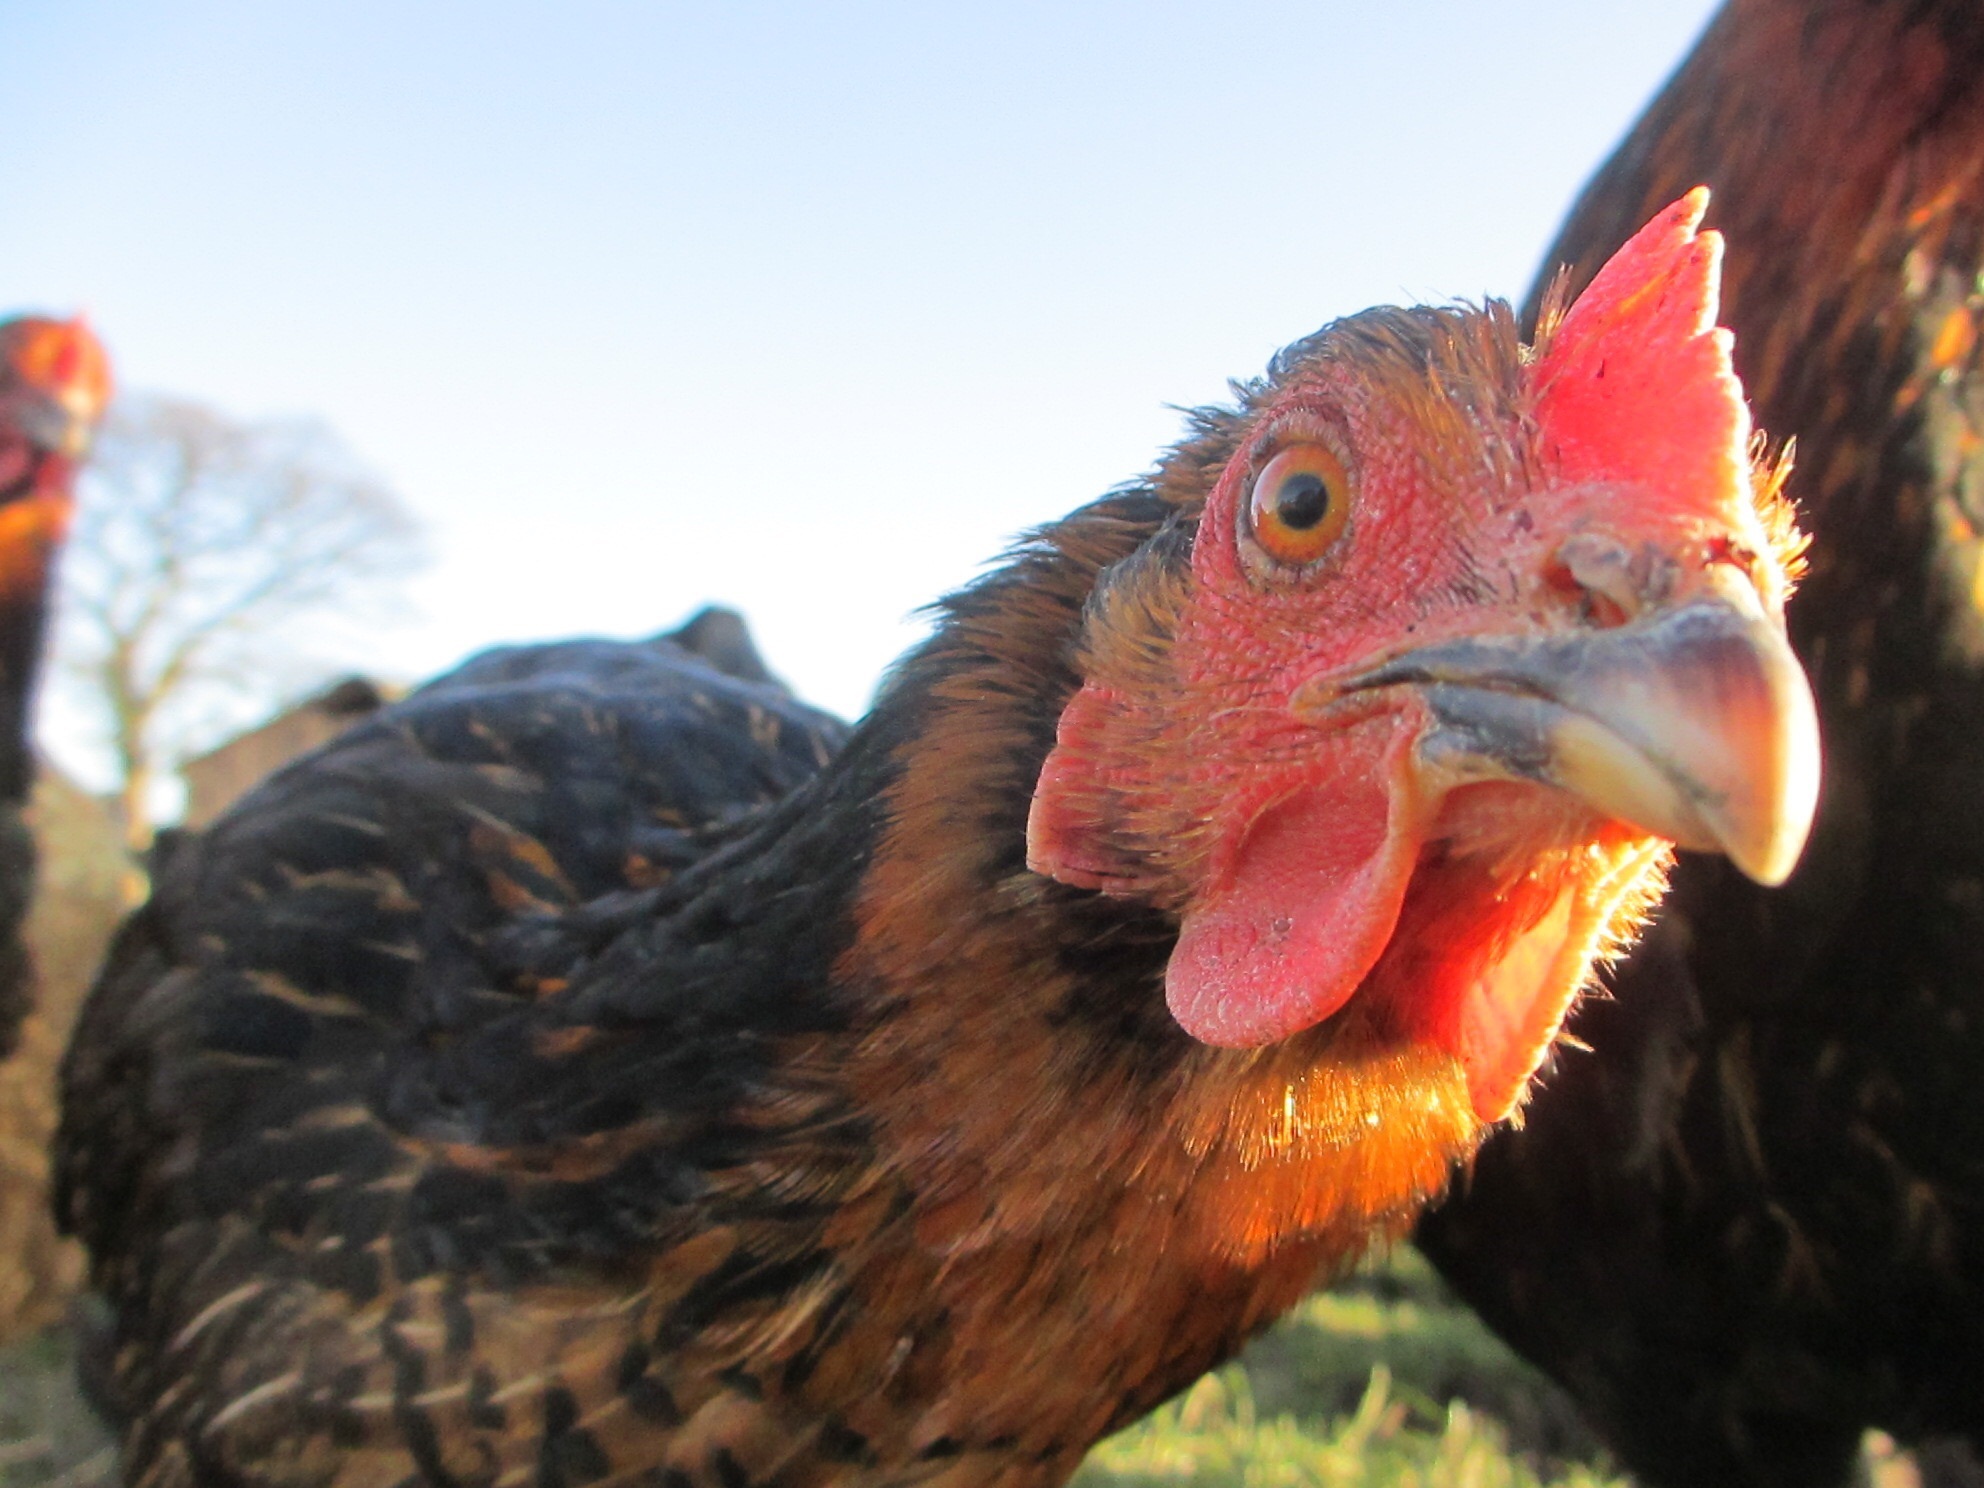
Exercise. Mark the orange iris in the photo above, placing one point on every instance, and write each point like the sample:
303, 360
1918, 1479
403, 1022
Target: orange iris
1299, 504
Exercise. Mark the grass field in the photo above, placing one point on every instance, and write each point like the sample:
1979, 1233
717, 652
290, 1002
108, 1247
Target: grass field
49, 1438
1382, 1383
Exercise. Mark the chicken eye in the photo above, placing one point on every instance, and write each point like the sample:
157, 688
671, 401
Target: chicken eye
1299, 504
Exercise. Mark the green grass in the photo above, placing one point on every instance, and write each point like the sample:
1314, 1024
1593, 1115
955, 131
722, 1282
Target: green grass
1383, 1383
1214, 1437
49, 1438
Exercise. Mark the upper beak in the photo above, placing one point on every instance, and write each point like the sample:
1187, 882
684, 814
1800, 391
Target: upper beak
1693, 722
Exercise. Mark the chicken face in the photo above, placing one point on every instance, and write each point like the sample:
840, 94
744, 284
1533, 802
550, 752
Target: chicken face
1462, 636
54, 382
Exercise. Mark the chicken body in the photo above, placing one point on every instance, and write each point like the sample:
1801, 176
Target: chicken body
1749, 1226
543, 1235
599, 1067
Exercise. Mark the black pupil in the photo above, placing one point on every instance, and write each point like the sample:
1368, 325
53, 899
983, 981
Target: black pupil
1302, 501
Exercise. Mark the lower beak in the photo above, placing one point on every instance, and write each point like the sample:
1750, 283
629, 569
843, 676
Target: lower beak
1694, 723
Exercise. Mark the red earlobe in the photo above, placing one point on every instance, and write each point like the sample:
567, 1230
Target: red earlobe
1074, 828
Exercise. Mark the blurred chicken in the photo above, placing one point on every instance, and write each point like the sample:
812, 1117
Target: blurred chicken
1753, 1223
600, 1067
54, 382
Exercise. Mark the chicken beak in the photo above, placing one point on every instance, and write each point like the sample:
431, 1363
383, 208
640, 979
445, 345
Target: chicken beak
61, 423
1693, 722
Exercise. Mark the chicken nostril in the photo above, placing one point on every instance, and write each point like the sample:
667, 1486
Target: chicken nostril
1737, 555
1602, 612
1595, 607
1602, 578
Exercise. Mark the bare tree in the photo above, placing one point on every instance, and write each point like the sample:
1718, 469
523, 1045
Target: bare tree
205, 550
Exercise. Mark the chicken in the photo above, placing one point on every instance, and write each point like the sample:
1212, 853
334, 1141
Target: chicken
54, 382
596, 1066
1748, 1226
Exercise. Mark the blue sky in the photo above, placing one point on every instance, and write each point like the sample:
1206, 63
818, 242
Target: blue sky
802, 307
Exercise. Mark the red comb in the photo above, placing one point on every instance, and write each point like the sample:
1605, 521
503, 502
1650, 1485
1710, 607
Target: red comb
1635, 383
65, 363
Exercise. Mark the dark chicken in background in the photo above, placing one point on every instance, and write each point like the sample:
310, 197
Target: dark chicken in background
1752, 1223
599, 1067
54, 382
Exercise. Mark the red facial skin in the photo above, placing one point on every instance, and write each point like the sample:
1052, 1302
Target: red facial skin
54, 383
